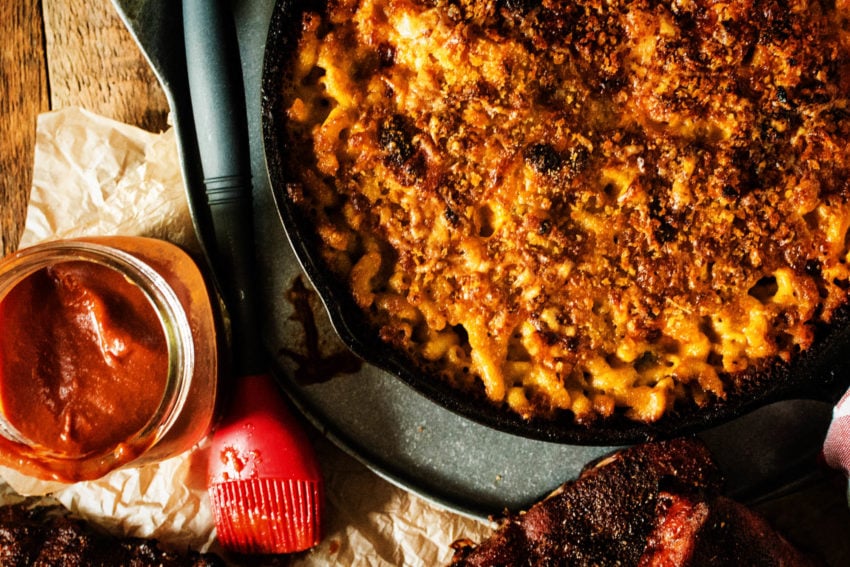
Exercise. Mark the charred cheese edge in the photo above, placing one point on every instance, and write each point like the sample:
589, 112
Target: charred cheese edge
580, 208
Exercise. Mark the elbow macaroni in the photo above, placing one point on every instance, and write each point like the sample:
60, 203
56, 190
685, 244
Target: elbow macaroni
584, 224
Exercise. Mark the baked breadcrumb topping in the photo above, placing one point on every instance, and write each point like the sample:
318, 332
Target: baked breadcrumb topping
581, 208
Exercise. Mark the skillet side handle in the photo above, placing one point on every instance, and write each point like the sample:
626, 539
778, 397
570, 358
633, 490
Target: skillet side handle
833, 386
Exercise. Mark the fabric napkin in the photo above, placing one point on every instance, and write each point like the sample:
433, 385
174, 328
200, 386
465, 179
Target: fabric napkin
836, 447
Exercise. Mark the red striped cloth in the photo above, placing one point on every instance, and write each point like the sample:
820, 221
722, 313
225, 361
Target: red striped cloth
836, 447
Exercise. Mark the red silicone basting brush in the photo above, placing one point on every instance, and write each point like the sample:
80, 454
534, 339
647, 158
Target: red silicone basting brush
264, 482
266, 494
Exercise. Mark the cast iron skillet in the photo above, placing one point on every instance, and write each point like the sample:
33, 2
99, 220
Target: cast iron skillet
821, 373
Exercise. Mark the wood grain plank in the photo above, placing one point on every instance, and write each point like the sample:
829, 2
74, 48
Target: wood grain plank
23, 95
94, 63
56, 54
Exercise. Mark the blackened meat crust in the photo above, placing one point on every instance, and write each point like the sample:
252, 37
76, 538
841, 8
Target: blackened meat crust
32, 536
656, 504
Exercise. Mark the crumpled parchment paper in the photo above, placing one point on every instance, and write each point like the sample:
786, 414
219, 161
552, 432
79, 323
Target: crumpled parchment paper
95, 176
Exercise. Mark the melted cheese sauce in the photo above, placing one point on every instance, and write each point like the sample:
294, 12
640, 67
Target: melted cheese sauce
581, 208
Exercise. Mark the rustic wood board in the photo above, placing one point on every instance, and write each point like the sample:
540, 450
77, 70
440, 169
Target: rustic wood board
56, 54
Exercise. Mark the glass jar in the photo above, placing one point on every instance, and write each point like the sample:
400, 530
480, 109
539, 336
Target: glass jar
108, 356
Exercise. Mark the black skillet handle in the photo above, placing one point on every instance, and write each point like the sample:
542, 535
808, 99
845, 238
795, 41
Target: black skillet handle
829, 385
218, 106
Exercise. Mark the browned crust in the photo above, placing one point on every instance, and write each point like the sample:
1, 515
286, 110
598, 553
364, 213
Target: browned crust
594, 206
32, 534
655, 504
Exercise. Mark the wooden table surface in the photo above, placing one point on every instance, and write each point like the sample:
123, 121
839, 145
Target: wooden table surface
56, 54
60, 53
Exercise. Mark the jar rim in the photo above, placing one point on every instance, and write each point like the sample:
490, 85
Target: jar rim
173, 320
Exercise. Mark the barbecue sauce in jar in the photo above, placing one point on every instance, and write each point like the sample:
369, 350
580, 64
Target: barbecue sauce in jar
107, 356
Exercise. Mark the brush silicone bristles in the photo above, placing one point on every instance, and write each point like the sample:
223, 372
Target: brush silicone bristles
264, 481
267, 516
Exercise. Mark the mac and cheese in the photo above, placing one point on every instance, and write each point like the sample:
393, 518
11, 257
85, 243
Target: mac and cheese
581, 208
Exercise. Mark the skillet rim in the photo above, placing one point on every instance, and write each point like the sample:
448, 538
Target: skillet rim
817, 373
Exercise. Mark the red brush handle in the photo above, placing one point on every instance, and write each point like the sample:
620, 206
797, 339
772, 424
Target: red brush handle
260, 437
